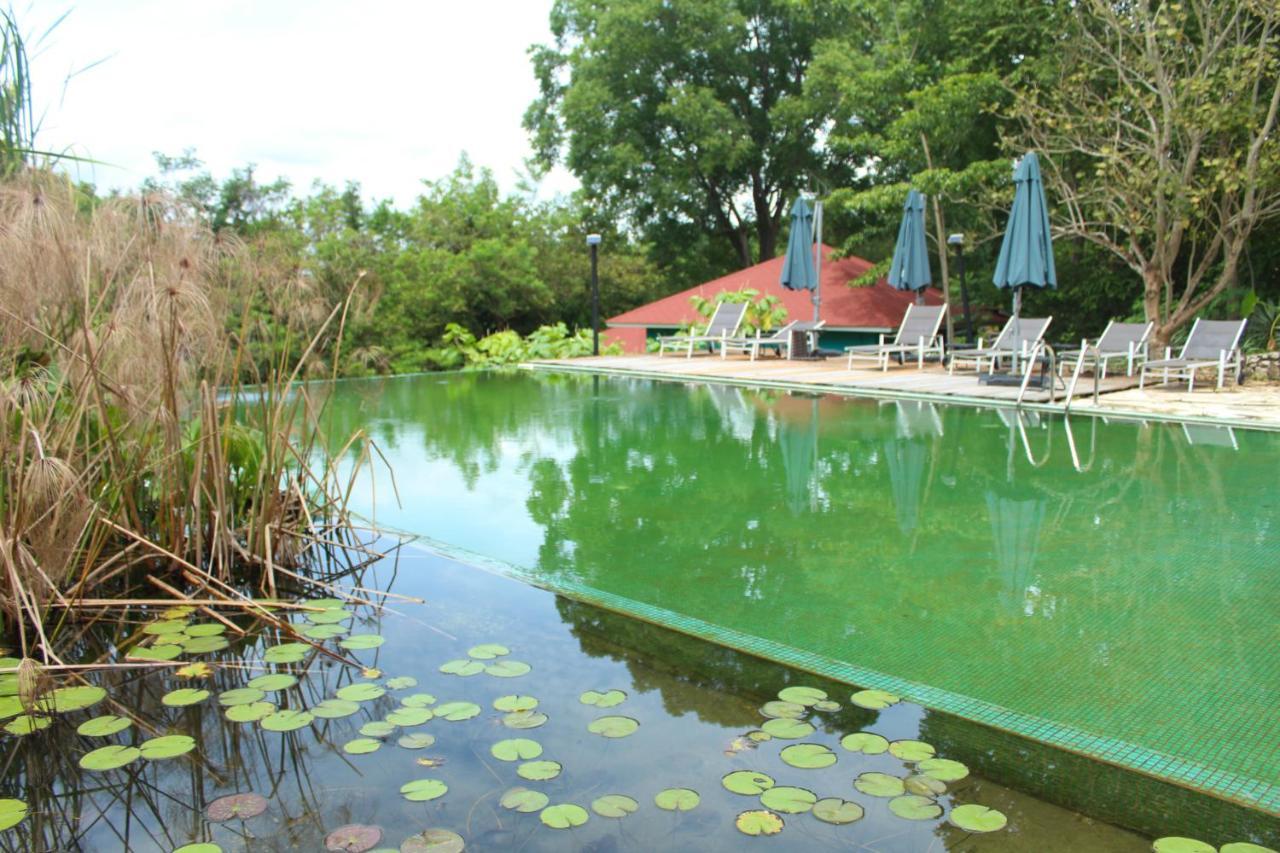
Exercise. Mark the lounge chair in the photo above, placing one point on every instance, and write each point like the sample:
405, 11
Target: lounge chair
1212, 343
779, 340
1119, 340
917, 334
724, 324
1016, 340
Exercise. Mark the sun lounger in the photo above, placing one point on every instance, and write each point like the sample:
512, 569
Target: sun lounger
917, 334
1212, 343
779, 341
1016, 340
1119, 340
724, 324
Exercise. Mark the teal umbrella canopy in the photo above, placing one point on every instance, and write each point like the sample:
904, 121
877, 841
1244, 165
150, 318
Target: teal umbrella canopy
910, 267
1026, 254
798, 270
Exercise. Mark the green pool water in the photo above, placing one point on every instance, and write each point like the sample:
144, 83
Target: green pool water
1110, 588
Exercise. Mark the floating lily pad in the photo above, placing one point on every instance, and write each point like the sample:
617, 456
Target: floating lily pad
538, 771
110, 757
943, 769
750, 783
361, 746
514, 703
273, 681
874, 700
911, 750
457, 711
488, 651
322, 632
784, 710
167, 746
802, 695
65, 699
422, 790
524, 800
1244, 847
377, 728
788, 800
975, 818
607, 699
516, 749
357, 642
12, 813
865, 742
198, 847
184, 696
250, 713
194, 670
837, 811
418, 700
204, 645
925, 786
879, 785
323, 603
286, 653
759, 822
613, 727
363, 691
808, 756
563, 816
179, 611
206, 629
401, 682
409, 716
353, 838
334, 709
508, 669
162, 652
416, 740
287, 720
167, 626
915, 807
331, 616
787, 729
236, 806
25, 724
104, 726
759, 736
524, 719
10, 706
826, 705
462, 666
433, 841
677, 799
1180, 844
614, 805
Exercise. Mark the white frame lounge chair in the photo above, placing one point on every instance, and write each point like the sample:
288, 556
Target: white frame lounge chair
1118, 340
724, 324
1212, 343
918, 333
1030, 332
779, 340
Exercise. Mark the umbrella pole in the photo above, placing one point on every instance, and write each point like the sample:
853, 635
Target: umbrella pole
817, 261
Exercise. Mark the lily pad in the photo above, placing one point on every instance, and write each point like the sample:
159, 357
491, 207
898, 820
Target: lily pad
826, 705
273, 681
874, 700
433, 841
12, 813
286, 653
409, 716
925, 786
204, 645
457, 711
802, 695
236, 806
915, 807
563, 816
943, 769
377, 728
677, 799
422, 790
749, 783
524, 719
25, 724
401, 682
759, 822
808, 756
287, 720
1244, 847
759, 736
65, 699
10, 706
250, 713
516, 749
361, 746
104, 726
194, 670
162, 652
607, 699
488, 651
879, 785
184, 696
462, 666
911, 750
322, 632
524, 800
787, 729
418, 700
515, 702
416, 740
785, 710
865, 742
788, 800
334, 709
613, 727
353, 838
508, 669
206, 629
538, 771
331, 616
614, 805
837, 811
167, 746
167, 626
975, 818
110, 757
362, 691
198, 847
357, 642
1180, 844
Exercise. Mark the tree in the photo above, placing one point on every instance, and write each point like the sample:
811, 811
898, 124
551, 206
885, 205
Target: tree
685, 111
1160, 126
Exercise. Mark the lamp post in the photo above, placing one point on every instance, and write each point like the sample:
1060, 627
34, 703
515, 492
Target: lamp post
957, 240
593, 240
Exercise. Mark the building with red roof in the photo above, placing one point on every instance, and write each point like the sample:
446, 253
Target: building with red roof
853, 315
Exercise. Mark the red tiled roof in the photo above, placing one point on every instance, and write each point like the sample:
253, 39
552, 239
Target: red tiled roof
875, 306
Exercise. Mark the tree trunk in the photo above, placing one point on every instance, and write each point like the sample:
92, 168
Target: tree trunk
741, 246
1153, 288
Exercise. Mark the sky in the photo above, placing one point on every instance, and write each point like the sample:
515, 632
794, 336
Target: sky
383, 92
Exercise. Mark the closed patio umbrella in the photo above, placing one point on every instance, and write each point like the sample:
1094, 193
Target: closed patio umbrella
910, 267
1026, 253
799, 268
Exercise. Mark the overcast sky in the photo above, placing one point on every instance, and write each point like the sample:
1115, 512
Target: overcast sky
384, 93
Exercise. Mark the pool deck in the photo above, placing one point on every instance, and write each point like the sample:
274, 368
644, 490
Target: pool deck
1247, 406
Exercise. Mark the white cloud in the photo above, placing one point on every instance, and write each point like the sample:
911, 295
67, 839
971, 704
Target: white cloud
384, 93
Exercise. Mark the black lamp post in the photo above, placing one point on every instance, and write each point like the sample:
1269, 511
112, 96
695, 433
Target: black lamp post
957, 240
593, 240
